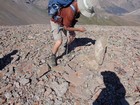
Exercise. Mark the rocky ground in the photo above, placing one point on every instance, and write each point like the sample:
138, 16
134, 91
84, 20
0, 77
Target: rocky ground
26, 78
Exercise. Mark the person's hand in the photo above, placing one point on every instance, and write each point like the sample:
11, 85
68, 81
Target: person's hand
82, 29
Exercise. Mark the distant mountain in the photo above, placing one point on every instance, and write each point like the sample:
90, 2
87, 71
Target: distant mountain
41, 4
15, 12
115, 12
107, 12
110, 6
136, 12
120, 6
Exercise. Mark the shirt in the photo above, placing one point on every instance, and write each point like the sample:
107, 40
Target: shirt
67, 17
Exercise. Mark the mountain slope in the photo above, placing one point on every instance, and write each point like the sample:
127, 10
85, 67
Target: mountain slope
15, 14
120, 6
26, 79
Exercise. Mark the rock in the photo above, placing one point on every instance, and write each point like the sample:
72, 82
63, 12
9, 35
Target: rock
59, 69
77, 78
92, 64
130, 101
26, 67
1, 74
47, 92
78, 92
31, 37
24, 81
15, 58
60, 89
17, 84
3, 89
42, 70
36, 103
18, 104
100, 48
88, 60
2, 100
57, 102
25, 78
8, 95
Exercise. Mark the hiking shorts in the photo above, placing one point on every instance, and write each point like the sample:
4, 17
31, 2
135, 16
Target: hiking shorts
57, 34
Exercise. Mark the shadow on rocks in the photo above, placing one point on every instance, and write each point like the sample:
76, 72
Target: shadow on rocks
113, 93
7, 59
76, 43
82, 42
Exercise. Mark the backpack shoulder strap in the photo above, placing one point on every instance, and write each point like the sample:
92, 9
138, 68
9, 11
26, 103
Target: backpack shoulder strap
73, 8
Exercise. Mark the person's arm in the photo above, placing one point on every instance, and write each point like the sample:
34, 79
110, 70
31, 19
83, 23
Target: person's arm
80, 29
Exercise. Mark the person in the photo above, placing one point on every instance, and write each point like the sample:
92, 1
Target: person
64, 24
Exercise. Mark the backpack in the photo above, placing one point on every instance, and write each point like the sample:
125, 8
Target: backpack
55, 5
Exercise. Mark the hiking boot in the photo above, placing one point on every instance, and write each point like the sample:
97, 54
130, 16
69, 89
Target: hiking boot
52, 61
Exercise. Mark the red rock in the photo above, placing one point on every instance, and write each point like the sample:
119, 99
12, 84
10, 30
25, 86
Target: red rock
59, 69
47, 93
3, 89
89, 61
92, 64
73, 63
77, 78
1, 74
36, 103
76, 92
18, 104
2, 100
77, 102
26, 67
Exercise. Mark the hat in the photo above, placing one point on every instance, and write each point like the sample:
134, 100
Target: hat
86, 7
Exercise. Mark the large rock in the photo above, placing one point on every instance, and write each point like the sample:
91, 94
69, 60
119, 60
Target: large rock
60, 89
100, 48
24, 81
77, 78
78, 92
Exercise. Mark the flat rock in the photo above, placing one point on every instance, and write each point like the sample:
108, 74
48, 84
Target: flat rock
60, 89
77, 78
42, 70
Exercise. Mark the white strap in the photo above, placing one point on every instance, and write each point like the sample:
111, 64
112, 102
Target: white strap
72, 7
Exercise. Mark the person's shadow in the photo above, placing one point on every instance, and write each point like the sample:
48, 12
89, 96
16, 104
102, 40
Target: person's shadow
7, 59
76, 43
113, 93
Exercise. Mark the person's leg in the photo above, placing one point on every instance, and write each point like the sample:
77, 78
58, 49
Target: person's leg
56, 46
57, 42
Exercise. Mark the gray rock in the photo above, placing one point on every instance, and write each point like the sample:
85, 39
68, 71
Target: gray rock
57, 102
17, 84
8, 95
60, 89
100, 47
24, 81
